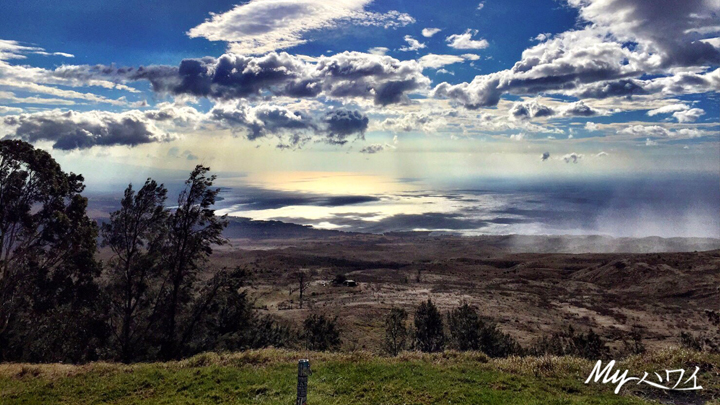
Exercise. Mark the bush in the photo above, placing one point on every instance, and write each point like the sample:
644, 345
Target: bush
395, 331
321, 333
464, 325
339, 279
590, 345
429, 334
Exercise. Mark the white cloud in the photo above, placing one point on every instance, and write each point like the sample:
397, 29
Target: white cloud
470, 56
261, 26
650, 142
518, 137
591, 126
481, 5
413, 44
378, 50
10, 110
465, 41
429, 32
434, 61
690, 115
668, 109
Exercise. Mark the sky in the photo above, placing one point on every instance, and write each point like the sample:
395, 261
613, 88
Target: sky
546, 116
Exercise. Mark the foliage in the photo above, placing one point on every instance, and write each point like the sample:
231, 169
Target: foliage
321, 333
469, 332
135, 234
569, 343
50, 304
428, 333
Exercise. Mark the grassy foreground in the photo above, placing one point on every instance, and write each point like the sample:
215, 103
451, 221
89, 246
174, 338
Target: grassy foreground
269, 377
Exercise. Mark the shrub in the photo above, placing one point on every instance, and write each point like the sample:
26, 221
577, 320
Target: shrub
321, 333
429, 334
569, 343
464, 326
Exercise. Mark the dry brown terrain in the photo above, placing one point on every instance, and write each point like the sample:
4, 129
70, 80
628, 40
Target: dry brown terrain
528, 294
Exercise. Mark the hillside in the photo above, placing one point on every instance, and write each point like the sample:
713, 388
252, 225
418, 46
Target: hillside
269, 377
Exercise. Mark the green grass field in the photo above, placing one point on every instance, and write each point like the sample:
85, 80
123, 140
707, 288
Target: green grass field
269, 377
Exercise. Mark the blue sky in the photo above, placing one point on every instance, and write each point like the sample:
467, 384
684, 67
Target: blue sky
282, 94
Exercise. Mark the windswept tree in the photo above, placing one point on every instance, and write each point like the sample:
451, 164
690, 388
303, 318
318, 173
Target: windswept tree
135, 234
48, 294
193, 230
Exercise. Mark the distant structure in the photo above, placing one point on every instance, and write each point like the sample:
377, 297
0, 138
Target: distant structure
350, 283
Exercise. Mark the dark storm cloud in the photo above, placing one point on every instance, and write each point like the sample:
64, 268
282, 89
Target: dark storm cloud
294, 128
75, 130
346, 75
342, 123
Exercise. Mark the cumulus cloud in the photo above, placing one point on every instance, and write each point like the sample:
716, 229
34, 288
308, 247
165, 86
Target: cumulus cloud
646, 130
624, 40
529, 109
580, 109
383, 79
650, 142
262, 120
429, 32
261, 26
342, 123
690, 115
412, 44
543, 36
292, 128
421, 122
572, 157
465, 41
374, 148
672, 33
481, 5
591, 126
70, 130
518, 137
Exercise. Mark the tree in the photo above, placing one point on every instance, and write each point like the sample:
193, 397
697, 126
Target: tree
193, 229
395, 331
464, 326
135, 235
429, 334
321, 333
48, 293
303, 280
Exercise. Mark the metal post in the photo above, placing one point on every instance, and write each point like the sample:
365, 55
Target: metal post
302, 386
